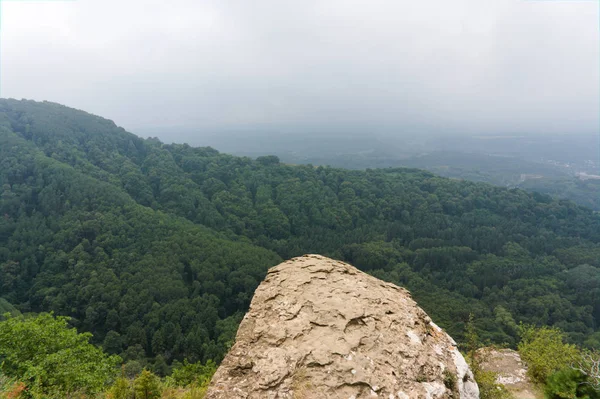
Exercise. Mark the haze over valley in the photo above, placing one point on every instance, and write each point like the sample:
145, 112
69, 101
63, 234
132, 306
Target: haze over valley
228, 199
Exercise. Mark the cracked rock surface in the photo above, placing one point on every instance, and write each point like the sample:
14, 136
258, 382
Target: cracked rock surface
320, 328
511, 372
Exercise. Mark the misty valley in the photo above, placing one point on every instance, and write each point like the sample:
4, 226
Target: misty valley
299, 199
153, 252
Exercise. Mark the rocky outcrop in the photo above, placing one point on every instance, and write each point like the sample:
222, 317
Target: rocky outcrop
510, 371
319, 328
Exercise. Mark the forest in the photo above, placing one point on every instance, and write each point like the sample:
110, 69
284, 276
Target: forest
156, 249
556, 165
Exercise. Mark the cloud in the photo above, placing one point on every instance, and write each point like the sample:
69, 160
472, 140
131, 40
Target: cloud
475, 66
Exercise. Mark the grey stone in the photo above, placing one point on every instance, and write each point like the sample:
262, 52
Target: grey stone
320, 328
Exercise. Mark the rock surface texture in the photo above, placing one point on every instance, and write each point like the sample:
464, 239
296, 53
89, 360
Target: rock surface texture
511, 372
319, 328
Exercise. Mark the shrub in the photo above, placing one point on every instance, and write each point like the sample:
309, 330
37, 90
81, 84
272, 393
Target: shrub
121, 389
147, 386
51, 358
486, 380
488, 387
450, 380
545, 352
11, 388
193, 373
569, 383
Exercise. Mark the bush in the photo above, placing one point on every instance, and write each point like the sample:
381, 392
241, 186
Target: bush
545, 352
51, 358
147, 386
180, 393
11, 388
569, 383
121, 389
488, 387
193, 373
486, 380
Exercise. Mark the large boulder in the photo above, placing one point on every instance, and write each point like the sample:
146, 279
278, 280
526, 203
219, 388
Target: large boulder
319, 328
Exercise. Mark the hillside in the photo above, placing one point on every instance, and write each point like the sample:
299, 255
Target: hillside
553, 165
157, 249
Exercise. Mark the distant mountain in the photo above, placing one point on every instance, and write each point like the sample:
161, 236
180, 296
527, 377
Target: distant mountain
157, 249
549, 165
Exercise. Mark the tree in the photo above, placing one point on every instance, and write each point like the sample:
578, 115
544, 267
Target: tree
158, 243
121, 389
489, 388
193, 373
50, 357
268, 160
113, 342
589, 367
544, 351
569, 383
147, 386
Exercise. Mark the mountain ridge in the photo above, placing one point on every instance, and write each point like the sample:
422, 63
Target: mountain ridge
157, 248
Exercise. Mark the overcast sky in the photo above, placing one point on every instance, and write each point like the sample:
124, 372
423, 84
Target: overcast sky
476, 66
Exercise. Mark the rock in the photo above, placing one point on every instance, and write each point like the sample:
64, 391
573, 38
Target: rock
510, 371
319, 328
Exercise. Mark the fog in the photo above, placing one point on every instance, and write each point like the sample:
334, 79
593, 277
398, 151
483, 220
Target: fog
188, 69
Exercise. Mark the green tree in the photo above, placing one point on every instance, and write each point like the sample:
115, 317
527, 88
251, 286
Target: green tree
147, 386
193, 373
489, 388
569, 383
51, 357
544, 351
472, 341
121, 389
159, 243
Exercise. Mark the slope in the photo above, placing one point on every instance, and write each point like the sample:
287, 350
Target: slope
121, 205
139, 279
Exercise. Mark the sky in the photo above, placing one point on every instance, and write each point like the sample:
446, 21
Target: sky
406, 67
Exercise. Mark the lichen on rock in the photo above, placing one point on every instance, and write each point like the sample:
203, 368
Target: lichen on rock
320, 328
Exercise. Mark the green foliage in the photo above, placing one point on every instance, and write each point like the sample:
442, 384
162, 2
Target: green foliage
450, 380
52, 358
189, 381
583, 192
472, 341
544, 351
488, 387
6, 307
197, 374
121, 389
12, 388
486, 380
157, 249
568, 383
189, 393
132, 368
147, 386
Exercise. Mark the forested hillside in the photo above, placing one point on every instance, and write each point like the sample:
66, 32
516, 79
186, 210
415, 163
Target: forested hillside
156, 249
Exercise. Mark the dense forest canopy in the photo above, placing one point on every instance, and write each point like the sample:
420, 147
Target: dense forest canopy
157, 249
563, 166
